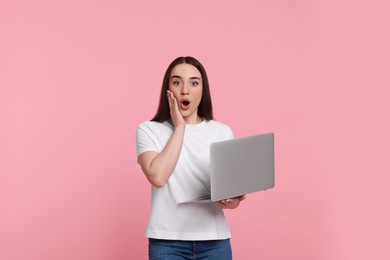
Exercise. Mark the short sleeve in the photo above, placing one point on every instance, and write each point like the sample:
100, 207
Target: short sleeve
146, 139
226, 132
229, 133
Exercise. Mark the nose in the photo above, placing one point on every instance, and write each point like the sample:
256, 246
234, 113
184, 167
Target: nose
185, 89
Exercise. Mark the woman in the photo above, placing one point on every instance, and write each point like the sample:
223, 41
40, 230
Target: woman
173, 152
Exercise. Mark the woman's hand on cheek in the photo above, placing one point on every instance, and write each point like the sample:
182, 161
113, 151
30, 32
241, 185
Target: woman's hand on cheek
177, 118
231, 203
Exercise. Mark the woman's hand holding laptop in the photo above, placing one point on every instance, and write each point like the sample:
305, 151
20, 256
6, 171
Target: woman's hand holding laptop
231, 203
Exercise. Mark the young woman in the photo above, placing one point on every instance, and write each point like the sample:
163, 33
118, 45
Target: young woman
173, 152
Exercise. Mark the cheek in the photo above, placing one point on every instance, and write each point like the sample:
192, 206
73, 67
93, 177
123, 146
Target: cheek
199, 94
174, 92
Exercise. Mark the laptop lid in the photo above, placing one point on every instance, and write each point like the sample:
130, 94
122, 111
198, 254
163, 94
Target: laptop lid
241, 166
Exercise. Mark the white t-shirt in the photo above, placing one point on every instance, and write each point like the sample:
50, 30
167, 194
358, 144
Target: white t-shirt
190, 180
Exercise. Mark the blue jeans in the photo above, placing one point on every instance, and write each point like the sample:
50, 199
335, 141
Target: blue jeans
160, 249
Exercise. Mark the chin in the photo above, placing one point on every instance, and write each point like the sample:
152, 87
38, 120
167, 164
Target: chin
186, 114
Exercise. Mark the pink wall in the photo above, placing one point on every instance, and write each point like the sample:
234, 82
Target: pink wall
76, 78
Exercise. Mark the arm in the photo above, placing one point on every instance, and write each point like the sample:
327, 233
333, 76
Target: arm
158, 167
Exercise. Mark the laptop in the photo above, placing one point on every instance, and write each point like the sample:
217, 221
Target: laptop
240, 166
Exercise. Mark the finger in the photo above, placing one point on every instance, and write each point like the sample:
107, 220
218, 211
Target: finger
241, 198
223, 206
175, 105
169, 99
173, 101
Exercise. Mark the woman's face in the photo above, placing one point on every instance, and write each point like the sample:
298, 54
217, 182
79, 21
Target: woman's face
185, 83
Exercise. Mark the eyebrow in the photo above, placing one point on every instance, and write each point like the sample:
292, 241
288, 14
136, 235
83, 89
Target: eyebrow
175, 76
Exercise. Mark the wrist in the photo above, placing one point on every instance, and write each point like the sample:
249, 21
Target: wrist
180, 128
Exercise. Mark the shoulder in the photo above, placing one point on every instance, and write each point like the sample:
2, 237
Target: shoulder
154, 126
152, 136
222, 128
154, 129
217, 124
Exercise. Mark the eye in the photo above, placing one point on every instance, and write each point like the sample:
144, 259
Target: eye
194, 83
176, 83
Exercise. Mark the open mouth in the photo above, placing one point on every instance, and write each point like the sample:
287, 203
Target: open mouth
185, 104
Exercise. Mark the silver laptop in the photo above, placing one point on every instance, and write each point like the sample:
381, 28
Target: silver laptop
241, 166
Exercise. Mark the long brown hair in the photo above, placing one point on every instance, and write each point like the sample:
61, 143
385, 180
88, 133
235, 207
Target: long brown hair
205, 109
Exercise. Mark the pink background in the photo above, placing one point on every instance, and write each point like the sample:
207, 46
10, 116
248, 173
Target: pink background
77, 77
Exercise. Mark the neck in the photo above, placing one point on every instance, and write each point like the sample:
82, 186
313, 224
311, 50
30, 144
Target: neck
194, 120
